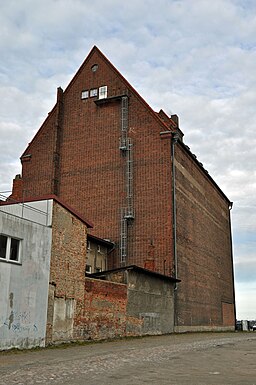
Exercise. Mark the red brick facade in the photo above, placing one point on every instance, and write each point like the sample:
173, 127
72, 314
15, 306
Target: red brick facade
76, 155
203, 247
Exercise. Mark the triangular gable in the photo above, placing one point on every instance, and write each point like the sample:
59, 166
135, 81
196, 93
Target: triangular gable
93, 51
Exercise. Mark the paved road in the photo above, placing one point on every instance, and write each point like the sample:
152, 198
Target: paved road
194, 359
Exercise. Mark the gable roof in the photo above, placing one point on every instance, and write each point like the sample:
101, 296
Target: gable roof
95, 50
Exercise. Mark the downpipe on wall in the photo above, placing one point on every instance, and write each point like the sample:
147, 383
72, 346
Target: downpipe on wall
175, 138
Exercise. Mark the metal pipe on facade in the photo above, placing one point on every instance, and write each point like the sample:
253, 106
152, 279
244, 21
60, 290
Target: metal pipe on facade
173, 142
232, 260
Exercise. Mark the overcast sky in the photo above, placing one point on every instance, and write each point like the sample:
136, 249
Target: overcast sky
193, 58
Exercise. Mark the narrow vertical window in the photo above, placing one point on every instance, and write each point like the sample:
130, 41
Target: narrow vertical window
9, 248
103, 92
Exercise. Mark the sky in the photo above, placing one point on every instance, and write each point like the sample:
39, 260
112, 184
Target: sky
193, 58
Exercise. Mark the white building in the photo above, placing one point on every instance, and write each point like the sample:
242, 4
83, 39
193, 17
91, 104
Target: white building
29, 237
25, 248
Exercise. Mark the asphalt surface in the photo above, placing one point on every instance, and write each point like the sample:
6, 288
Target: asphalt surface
194, 359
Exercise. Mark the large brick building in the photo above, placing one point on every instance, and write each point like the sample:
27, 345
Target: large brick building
105, 152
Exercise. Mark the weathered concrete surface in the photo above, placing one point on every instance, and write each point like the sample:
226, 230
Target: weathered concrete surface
24, 285
194, 359
150, 299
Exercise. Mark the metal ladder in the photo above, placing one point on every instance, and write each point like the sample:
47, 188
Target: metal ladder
123, 238
127, 213
124, 123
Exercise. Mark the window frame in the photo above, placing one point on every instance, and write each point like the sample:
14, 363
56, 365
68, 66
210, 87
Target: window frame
103, 92
93, 92
8, 250
89, 271
85, 94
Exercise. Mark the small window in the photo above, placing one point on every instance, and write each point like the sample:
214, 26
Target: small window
9, 248
85, 94
103, 92
94, 67
93, 92
88, 269
88, 245
98, 248
98, 270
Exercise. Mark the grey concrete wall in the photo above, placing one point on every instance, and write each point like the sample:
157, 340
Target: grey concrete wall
151, 300
24, 285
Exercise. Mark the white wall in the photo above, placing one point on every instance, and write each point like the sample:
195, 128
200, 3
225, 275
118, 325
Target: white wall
38, 211
24, 286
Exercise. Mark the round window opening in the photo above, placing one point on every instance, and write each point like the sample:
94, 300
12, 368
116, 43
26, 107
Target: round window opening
94, 67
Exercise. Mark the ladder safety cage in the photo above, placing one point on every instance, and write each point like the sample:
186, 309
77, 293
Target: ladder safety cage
129, 179
124, 123
127, 213
123, 239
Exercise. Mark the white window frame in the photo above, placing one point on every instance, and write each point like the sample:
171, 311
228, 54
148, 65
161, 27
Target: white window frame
98, 248
93, 92
103, 92
88, 245
85, 94
90, 269
8, 250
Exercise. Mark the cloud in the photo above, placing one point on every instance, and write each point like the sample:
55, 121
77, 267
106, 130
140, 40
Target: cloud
245, 301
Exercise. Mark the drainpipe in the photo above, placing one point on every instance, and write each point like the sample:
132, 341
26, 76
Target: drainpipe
173, 142
232, 261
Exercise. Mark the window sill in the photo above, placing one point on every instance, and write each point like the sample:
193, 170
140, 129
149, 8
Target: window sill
10, 261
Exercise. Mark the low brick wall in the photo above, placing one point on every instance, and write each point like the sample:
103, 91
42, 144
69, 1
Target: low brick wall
104, 310
112, 310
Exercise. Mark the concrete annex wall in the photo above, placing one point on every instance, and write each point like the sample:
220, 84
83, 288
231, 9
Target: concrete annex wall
150, 299
24, 285
150, 302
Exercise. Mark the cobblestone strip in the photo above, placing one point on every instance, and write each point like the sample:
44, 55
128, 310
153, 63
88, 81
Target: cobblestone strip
65, 371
